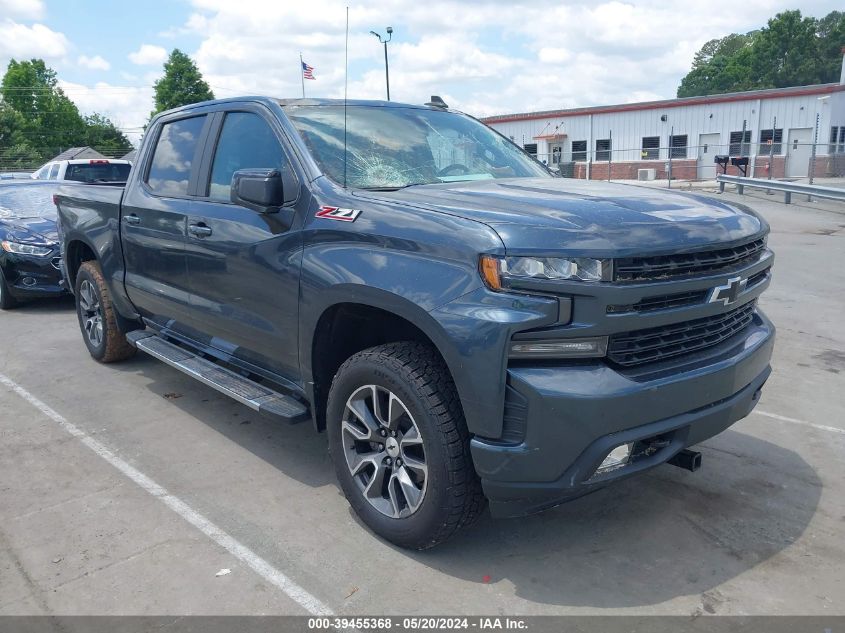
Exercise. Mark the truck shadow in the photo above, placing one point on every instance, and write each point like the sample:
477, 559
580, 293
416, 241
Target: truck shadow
294, 449
649, 539
646, 540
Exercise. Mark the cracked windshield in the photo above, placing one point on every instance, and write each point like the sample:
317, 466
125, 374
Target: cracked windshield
394, 147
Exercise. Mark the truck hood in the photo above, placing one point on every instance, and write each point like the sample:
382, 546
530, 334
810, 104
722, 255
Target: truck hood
536, 215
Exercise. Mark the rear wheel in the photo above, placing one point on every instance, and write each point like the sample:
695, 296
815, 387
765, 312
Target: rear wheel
400, 446
7, 301
97, 318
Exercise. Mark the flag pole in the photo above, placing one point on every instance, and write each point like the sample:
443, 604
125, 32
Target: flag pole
301, 75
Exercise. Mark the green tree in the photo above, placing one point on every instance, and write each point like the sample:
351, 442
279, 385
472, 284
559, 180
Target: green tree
715, 68
15, 150
51, 121
11, 126
102, 135
831, 33
182, 83
785, 52
791, 50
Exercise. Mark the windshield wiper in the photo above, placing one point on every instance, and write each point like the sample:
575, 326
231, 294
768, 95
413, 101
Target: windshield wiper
412, 184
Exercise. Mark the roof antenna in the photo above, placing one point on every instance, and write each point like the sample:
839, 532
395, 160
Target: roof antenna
436, 102
345, 86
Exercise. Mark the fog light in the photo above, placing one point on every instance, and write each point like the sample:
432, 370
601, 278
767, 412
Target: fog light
617, 458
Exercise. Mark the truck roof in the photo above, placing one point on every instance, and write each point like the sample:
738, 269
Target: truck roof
306, 101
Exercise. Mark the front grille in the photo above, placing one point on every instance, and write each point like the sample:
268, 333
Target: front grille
659, 343
753, 280
682, 264
678, 299
662, 302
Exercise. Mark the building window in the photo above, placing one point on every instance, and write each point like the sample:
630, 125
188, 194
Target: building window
770, 141
678, 147
837, 140
651, 148
579, 150
603, 149
739, 145
531, 148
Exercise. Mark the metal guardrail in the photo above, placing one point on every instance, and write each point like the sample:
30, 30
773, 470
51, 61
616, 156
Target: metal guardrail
788, 188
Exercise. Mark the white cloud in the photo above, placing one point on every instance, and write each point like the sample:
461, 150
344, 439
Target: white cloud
490, 57
23, 9
148, 55
485, 57
22, 42
128, 107
93, 63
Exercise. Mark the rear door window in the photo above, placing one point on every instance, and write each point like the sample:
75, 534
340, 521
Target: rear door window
246, 141
170, 169
54, 172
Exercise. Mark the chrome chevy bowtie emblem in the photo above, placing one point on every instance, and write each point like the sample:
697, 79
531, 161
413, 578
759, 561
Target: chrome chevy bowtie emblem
728, 293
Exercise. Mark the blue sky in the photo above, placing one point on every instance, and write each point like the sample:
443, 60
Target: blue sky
487, 57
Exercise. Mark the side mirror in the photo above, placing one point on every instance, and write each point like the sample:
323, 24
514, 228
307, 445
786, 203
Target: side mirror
258, 189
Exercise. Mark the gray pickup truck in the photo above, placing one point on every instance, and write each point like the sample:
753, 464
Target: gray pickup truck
466, 327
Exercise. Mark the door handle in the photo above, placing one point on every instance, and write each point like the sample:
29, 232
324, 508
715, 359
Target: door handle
200, 230
131, 219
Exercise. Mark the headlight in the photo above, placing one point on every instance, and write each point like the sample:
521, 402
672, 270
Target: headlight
25, 249
499, 272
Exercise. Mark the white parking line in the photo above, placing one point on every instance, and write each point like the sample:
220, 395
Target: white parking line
783, 418
225, 540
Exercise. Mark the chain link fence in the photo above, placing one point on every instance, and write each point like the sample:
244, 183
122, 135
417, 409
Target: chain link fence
783, 159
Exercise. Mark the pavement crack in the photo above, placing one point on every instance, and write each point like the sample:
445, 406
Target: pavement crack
32, 586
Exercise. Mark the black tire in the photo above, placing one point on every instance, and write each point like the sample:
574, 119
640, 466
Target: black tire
7, 301
93, 304
452, 497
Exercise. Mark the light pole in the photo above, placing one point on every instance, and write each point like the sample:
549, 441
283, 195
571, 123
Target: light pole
386, 67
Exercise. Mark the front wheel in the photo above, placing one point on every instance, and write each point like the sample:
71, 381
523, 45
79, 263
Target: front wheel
400, 446
97, 318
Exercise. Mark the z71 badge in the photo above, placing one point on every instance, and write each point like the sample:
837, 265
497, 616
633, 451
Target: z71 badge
336, 213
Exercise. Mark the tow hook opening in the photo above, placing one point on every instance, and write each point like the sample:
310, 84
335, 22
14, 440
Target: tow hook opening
687, 459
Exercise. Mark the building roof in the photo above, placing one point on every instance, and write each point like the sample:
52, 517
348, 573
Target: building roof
77, 152
131, 155
750, 95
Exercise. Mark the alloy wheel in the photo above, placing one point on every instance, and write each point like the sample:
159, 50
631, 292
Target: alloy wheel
384, 451
91, 313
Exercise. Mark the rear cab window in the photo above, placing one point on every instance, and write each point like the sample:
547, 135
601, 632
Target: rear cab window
170, 169
97, 171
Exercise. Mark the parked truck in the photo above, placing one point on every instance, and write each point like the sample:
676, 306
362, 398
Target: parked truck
466, 327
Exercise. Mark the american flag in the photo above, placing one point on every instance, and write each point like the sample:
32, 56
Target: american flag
307, 71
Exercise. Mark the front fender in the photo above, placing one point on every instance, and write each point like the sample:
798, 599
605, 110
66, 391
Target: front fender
445, 299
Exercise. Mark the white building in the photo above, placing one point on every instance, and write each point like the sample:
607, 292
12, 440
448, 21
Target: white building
780, 126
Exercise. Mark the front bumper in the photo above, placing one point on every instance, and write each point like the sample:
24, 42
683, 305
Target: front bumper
574, 414
30, 277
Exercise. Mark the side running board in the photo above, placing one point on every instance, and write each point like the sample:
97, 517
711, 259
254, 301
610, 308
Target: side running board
255, 396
